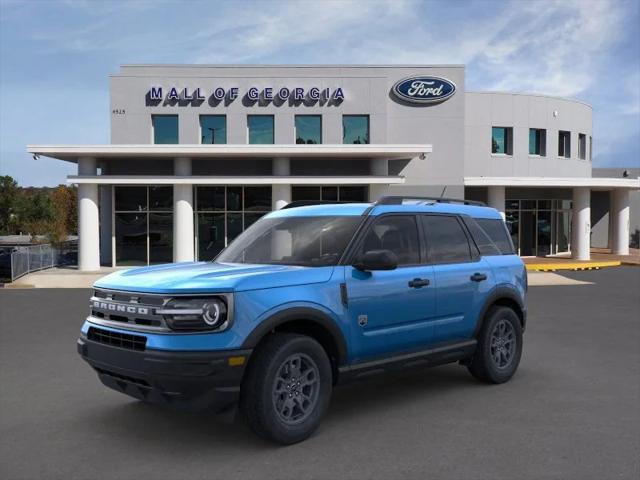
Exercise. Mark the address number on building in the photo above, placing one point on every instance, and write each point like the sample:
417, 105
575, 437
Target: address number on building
118, 111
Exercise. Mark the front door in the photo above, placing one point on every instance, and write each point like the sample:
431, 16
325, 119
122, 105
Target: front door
391, 310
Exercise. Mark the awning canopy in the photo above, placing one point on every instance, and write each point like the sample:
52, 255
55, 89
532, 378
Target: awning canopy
595, 183
72, 153
233, 180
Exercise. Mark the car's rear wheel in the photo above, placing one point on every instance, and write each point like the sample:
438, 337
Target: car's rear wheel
499, 346
287, 388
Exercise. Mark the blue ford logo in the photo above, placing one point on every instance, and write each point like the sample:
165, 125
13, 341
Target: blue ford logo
424, 89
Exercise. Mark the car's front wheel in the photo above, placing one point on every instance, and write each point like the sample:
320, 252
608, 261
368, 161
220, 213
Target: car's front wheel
287, 388
499, 346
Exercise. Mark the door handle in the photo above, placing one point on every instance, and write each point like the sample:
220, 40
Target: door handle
418, 282
478, 277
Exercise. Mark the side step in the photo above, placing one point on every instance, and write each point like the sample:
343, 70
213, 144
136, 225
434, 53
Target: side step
425, 358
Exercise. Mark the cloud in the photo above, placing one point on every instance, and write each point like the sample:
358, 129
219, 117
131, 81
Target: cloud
586, 49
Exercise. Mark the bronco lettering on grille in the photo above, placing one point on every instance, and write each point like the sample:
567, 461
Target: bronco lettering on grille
119, 307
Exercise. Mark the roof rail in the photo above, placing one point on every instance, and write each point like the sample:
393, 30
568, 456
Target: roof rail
398, 199
306, 203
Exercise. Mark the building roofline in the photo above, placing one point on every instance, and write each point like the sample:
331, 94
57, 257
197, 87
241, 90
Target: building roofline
526, 94
279, 65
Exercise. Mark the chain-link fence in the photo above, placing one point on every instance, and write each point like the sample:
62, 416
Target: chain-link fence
38, 257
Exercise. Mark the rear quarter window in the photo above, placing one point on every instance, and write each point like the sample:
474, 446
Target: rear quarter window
491, 236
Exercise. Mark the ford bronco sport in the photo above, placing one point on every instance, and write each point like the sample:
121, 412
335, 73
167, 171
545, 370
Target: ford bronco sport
309, 297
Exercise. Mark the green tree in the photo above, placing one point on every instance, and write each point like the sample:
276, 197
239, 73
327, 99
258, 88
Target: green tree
64, 223
9, 192
35, 211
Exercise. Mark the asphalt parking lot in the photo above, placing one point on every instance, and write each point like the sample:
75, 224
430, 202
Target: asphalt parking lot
571, 412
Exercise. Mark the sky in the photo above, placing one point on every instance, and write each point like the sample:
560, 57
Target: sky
56, 56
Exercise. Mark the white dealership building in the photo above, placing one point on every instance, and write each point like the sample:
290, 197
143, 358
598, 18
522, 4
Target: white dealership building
199, 152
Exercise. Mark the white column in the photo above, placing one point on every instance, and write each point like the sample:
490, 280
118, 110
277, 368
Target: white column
88, 219
280, 194
183, 233
496, 198
619, 218
581, 225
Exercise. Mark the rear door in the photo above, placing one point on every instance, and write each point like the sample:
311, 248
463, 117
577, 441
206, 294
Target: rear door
462, 277
391, 311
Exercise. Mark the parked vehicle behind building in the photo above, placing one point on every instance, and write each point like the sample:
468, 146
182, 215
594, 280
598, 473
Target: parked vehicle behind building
309, 297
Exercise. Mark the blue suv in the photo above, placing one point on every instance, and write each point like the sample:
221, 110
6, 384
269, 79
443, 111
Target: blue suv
309, 297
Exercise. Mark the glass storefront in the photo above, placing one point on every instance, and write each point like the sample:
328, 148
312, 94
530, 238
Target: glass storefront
539, 227
143, 219
222, 213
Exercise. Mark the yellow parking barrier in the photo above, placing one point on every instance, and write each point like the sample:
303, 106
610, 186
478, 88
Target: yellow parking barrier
575, 266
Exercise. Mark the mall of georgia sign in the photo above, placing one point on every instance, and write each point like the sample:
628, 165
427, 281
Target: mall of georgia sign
422, 89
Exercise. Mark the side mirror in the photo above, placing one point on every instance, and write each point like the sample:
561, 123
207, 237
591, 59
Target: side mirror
377, 260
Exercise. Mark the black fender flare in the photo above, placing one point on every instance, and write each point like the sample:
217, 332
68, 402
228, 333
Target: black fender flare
499, 293
299, 313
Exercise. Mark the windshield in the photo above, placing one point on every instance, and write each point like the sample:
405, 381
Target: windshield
307, 241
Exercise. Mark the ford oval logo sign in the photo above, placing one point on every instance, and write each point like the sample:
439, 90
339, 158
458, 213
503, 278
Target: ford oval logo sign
424, 89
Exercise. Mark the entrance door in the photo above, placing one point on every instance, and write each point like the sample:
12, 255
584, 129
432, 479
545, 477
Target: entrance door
389, 310
528, 233
544, 233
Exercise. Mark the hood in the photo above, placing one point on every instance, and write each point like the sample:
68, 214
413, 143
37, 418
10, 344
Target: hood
203, 277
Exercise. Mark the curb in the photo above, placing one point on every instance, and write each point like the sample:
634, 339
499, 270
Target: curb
550, 267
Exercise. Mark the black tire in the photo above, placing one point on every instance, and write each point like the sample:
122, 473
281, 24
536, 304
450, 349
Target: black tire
268, 395
493, 361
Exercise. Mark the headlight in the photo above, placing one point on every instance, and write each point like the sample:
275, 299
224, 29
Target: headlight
196, 314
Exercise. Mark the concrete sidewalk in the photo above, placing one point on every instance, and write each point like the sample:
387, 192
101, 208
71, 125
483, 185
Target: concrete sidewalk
600, 258
61, 278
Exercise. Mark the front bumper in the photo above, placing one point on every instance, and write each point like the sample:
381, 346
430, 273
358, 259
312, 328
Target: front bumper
184, 380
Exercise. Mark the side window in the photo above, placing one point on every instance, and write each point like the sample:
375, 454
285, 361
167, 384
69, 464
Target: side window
396, 233
484, 243
446, 240
498, 234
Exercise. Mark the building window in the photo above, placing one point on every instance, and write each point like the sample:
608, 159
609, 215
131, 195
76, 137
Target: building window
165, 129
355, 129
261, 130
564, 144
502, 140
143, 225
222, 213
537, 142
213, 129
308, 129
590, 148
347, 193
582, 146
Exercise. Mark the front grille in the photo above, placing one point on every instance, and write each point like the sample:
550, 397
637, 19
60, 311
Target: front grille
132, 309
116, 339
